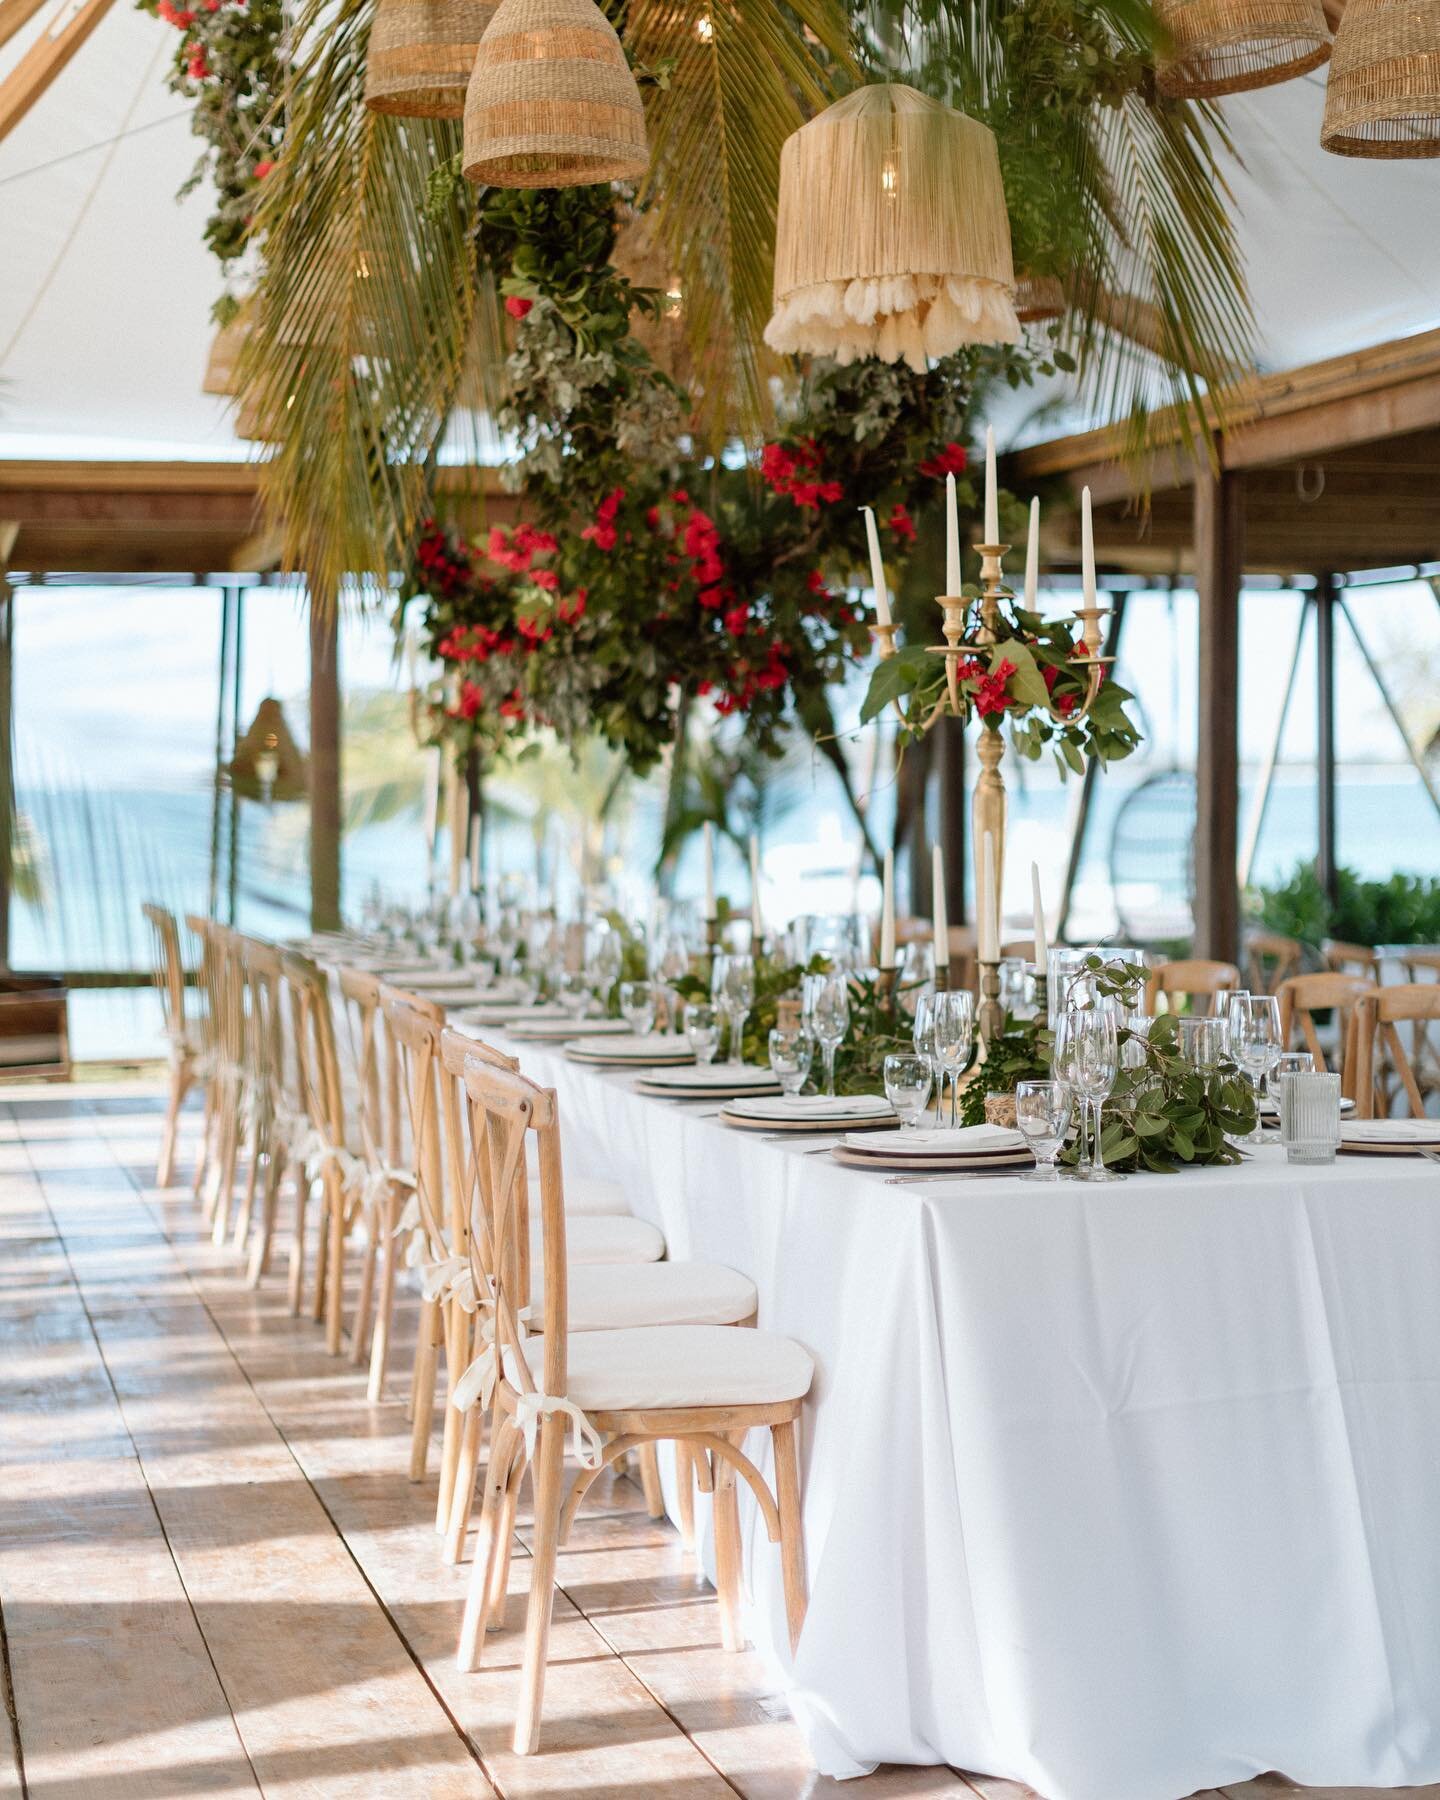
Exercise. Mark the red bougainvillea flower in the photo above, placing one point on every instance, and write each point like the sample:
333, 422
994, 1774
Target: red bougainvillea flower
990, 695
198, 67
569, 611
471, 700
547, 579
901, 523
737, 620
815, 581
1051, 675
261, 169
1065, 705
517, 306
949, 461
603, 537
512, 707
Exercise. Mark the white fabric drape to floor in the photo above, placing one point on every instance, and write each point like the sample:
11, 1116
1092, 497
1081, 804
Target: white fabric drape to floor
1122, 1492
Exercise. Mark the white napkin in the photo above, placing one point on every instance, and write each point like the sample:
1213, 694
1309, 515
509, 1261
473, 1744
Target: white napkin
1390, 1131
702, 1075
814, 1106
965, 1140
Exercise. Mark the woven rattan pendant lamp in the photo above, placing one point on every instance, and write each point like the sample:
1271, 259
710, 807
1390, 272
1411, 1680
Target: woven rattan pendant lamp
421, 54
552, 102
892, 239
1383, 98
1038, 297
1230, 46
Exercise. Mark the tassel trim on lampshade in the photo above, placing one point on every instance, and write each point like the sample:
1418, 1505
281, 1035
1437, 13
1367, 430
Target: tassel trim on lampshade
892, 238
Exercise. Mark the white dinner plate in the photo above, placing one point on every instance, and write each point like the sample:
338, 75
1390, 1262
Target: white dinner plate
1389, 1137
973, 1142
853, 1156
1269, 1110
643, 1052
542, 1031
663, 1086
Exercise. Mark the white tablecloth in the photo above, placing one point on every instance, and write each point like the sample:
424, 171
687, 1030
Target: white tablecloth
1122, 1492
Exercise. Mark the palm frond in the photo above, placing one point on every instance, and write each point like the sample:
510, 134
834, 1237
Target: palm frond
742, 75
364, 313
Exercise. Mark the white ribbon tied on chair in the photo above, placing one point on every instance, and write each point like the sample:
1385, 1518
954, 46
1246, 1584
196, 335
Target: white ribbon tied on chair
451, 1278
374, 1187
585, 1440
478, 1381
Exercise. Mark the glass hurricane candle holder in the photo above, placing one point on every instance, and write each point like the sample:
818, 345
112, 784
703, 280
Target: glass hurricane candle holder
1310, 1117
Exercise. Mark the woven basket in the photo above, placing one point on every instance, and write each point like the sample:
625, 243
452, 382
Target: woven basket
892, 238
552, 102
1038, 297
1231, 46
421, 54
1383, 98
1000, 1110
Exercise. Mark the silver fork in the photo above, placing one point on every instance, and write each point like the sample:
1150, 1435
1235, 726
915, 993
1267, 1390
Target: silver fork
1431, 1155
922, 1180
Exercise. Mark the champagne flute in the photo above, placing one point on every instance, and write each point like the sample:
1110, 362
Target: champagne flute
739, 989
1087, 1058
953, 1031
1253, 1023
829, 998
637, 1003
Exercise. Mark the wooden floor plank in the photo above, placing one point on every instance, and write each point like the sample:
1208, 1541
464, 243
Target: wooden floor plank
325, 1694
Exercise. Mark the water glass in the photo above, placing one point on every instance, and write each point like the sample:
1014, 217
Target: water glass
1015, 989
1289, 1062
1087, 1058
953, 1036
1310, 1117
791, 1053
735, 986
1042, 1111
907, 1087
702, 1029
637, 1006
1253, 1024
574, 993
1201, 1041
827, 1002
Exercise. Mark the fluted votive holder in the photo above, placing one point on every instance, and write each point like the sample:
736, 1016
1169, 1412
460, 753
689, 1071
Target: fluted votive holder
1310, 1117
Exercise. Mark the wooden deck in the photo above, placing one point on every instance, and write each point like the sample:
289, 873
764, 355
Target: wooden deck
216, 1578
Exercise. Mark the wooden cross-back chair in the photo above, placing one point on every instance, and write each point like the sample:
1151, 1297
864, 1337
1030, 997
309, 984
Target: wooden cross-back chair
1271, 959
1379, 1048
705, 1386
183, 1034
1352, 959
371, 1084
269, 1113
1301, 997
1422, 966
433, 1243
322, 1154
223, 970
1197, 980
207, 986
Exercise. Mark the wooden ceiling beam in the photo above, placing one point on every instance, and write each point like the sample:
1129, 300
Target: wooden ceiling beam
44, 60
14, 14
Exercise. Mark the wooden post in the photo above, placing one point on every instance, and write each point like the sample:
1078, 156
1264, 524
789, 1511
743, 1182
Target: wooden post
324, 763
951, 751
1325, 733
1219, 564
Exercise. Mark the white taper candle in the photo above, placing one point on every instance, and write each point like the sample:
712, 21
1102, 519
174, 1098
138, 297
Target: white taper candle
1032, 558
757, 923
709, 841
952, 539
877, 568
937, 907
1087, 550
992, 496
887, 913
1042, 945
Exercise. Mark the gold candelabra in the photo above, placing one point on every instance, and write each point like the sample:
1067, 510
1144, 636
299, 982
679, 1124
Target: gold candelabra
988, 805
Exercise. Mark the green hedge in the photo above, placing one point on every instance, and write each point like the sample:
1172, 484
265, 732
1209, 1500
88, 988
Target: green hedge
1405, 909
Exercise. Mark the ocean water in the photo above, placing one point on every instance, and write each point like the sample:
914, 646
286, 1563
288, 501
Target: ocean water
101, 853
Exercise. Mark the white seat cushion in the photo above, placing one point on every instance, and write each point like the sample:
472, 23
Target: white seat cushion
678, 1365
605, 1297
602, 1240
592, 1196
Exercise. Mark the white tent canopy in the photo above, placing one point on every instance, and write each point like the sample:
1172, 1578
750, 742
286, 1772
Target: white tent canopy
106, 285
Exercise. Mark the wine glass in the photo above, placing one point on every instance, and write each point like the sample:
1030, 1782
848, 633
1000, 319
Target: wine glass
791, 1053
828, 1003
738, 986
637, 1004
1042, 1111
953, 1035
1087, 1059
702, 1029
1253, 1025
907, 1087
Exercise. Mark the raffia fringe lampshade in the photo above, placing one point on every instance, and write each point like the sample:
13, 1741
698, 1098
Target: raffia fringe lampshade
552, 102
1383, 98
892, 239
421, 54
1230, 46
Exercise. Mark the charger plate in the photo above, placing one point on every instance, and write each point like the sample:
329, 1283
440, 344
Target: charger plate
629, 1052
1389, 1137
957, 1163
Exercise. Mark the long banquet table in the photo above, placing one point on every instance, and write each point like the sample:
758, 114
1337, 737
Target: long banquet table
1120, 1491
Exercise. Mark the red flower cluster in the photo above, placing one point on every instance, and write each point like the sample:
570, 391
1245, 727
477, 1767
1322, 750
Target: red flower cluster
475, 644
517, 306
701, 544
748, 680
602, 533
517, 550
797, 472
991, 695
901, 523
447, 572
198, 67
949, 461
181, 17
